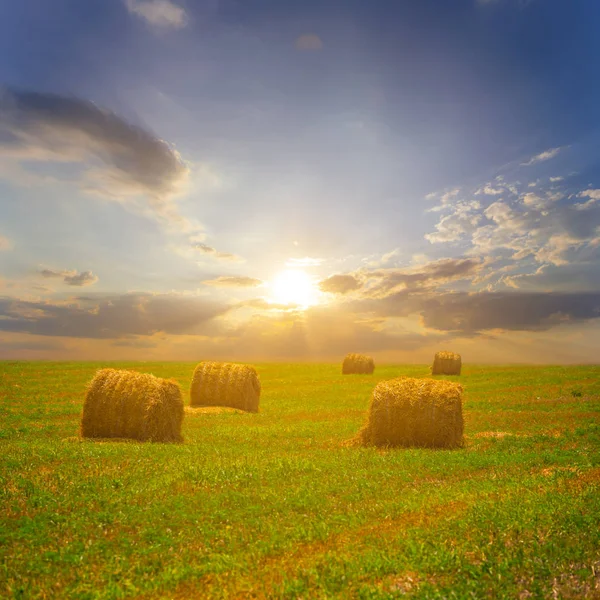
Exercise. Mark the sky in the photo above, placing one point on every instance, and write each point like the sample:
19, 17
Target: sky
264, 180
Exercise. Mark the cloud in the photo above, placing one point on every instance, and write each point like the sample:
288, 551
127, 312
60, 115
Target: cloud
386, 258
159, 13
226, 281
446, 199
594, 195
464, 219
488, 190
535, 311
74, 278
205, 249
5, 244
107, 317
547, 225
309, 42
339, 284
120, 161
556, 179
379, 283
385, 282
543, 156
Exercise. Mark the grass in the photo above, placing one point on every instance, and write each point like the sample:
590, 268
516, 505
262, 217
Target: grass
273, 505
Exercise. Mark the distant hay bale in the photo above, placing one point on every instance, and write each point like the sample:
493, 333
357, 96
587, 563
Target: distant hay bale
126, 404
357, 364
446, 363
225, 384
414, 412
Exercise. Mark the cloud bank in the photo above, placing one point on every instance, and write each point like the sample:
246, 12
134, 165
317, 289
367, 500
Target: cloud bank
120, 161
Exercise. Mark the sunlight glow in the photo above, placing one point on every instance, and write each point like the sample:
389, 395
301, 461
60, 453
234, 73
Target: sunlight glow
294, 286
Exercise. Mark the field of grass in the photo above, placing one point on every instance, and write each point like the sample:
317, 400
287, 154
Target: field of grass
274, 505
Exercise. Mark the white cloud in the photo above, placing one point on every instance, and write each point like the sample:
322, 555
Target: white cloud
540, 201
543, 156
446, 199
488, 190
451, 228
555, 248
556, 179
159, 13
593, 195
540, 225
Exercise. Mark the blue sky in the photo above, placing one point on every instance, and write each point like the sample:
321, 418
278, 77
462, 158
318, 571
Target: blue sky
431, 167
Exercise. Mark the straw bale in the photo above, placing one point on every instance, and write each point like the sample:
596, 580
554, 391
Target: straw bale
414, 412
357, 364
225, 384
446, 363
126, 404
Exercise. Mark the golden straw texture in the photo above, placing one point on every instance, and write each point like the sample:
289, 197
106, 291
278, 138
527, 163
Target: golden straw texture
357, 364
414, 412
126, 404
225, 384
446, 363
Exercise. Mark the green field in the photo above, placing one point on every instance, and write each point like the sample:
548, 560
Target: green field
274, 505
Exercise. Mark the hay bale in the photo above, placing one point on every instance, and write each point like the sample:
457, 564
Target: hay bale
225, 384
126, 404
357, 364
446, 363
414, 412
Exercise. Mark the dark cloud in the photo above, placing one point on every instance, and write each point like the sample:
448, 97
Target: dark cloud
470, 313
227, 281
535, 311
49, 127
74, 278
340, 284
110, 317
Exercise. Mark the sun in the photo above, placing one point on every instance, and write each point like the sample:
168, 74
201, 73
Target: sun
294, 286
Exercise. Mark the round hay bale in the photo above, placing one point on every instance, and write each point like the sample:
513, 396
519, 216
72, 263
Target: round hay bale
414, 412
126, 404
357, 364
446, 363
225, 384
